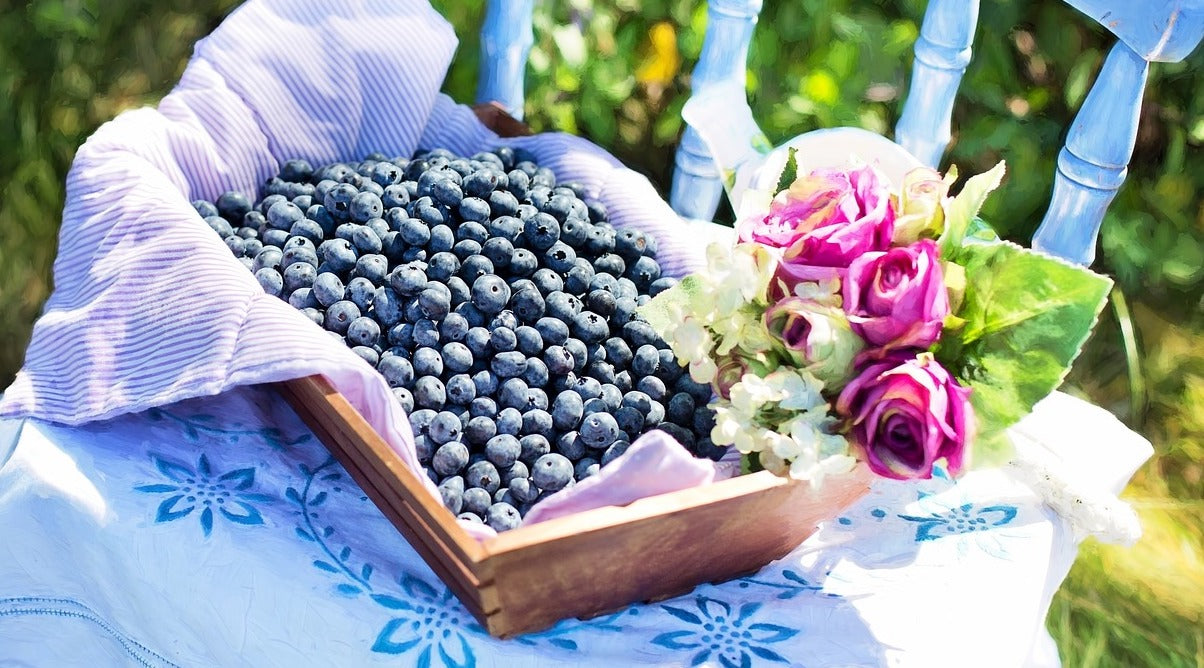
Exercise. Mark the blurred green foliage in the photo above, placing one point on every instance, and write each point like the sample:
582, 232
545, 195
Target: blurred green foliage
618, 73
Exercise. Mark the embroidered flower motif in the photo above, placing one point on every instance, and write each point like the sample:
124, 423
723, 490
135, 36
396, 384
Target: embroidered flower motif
963, 519
198, 488
733, 640
431, 621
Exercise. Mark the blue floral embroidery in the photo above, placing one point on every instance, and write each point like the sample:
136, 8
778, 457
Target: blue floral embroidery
430, 620
731, 638
196, 425
307, 502
796, 584
198, 487
962, 519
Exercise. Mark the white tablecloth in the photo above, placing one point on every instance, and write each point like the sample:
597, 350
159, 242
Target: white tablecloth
220, 532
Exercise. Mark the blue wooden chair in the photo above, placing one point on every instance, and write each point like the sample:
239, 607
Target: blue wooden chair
1091, 166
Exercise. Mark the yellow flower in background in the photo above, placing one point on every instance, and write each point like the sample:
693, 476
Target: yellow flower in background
663, 60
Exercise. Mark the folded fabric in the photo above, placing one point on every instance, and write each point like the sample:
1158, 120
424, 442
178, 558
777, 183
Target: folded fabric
150, 307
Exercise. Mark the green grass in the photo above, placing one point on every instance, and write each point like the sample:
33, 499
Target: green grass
68, 65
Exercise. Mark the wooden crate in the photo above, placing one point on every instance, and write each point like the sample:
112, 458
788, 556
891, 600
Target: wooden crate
586, 564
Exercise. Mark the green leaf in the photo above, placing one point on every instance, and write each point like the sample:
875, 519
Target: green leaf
790, 171
961, 210
662, 311
1026, 316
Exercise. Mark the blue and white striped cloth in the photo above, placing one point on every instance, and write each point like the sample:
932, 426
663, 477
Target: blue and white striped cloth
150, 307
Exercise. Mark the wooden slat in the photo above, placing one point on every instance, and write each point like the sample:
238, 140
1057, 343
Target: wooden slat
315, 396
605, 558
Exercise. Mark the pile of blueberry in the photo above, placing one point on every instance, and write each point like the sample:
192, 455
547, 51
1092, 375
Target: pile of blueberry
499, 305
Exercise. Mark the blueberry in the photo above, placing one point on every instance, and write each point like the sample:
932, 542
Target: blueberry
528, 304
482, 406
655, 415
560, 258
406, 399
386, 306
552, 472
476, 501
283, 215
508, 364
679, 434
338, 255
533, 446
269, 257
536, 374
398, 371
514, 471
428, 362
554, 332
450, 458
558, 360
513, 393
567, 410
408, 279
522, 489
570, 445
523, 262
479, 341
339, 316
590, 327
328, 289
360, 291
613, 452
295, 254
442, 239
452, 491
503, 450
460, 388
613, 396
444, 428
502, 203
541, 231
680, 410
490, 293
579, 352
502, 516
270, 280
618, 352
630, 420
338, 200
661, 284
363, 331
445, 191
498, 250
483, 474
366, 240
509, 421
474, 209
537, 420
591, 406
429, 393
585, 467
701, 392
669, 370
505, 227
299, 275
426, 333
435, 304
503, 339
373, 267
316, 316
640, 333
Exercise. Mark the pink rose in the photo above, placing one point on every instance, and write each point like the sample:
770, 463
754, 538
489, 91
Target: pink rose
897, 299
824, 221
906, 413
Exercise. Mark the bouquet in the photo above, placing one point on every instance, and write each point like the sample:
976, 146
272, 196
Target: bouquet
858, 320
